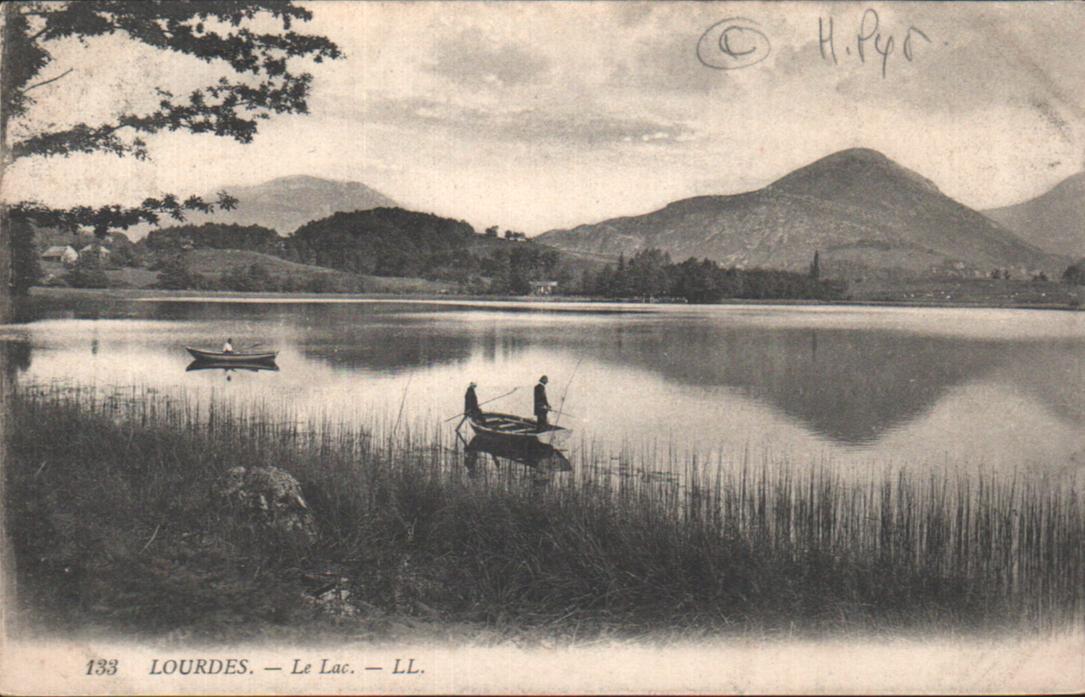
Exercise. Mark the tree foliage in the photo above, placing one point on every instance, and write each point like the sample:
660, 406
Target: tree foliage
383, 242
174, 274
26, 268
88, 273
259, 81
254, 238
651, 274
511, 268
1075, 273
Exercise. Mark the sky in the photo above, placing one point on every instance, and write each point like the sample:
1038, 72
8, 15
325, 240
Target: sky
537, 116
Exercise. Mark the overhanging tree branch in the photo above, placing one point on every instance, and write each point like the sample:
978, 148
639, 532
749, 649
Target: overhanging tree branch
225, 109
46, 82
104, 218
212, 32
215, 32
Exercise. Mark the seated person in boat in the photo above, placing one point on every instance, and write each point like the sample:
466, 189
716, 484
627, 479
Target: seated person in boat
542, 406
470, 402
228, 347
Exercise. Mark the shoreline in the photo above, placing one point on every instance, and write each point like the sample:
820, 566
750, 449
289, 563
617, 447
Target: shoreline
378, 532
160, 295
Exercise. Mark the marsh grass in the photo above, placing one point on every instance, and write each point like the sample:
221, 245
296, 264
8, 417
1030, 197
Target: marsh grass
115, 525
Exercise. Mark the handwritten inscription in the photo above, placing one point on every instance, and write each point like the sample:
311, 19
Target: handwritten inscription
733, 43
870, 41
739, 42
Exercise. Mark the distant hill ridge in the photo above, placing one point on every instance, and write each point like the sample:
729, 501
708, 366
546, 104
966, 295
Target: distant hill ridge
286, 203
857, 207
1053, 221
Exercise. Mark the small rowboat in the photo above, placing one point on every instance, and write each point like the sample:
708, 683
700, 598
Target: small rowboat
516, 428
220, 357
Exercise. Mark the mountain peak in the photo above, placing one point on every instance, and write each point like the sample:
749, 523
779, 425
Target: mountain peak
860, 154
855, 171
860, 210
299, 179
294, 181
285, 203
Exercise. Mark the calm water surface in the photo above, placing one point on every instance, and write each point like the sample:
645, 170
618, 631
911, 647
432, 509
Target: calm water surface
859, 386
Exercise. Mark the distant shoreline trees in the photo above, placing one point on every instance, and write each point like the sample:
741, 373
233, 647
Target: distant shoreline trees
650, 273
1075, 273
393, 242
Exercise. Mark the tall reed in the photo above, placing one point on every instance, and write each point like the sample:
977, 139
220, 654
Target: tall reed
612, 546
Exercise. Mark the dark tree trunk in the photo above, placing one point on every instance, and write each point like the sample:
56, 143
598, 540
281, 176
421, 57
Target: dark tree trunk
7, 305
7, 285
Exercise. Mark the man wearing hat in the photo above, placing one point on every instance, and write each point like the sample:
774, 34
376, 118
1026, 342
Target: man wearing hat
470, 402
542, 406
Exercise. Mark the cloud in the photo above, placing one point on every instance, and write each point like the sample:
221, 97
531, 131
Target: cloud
978, 60
631, 13
578, 127
473, 59
667, 63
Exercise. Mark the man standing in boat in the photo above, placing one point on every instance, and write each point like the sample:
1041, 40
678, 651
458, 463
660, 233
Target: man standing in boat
470, 405
470, 402
542, 405
228, 347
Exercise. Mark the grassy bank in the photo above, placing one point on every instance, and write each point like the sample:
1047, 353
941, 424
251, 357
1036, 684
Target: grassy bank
111, 507
970, 292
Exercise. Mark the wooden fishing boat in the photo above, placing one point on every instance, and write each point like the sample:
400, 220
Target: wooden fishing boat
514, 429
220, 357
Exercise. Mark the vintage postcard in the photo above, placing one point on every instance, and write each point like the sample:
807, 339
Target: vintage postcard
542, 347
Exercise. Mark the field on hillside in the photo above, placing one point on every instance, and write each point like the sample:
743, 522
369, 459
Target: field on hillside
213, 264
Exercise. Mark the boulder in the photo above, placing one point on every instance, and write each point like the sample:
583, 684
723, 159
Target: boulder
330, 594
269, 500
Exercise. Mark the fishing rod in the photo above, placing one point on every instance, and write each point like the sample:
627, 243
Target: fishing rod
563, 394
402, 402
494, 399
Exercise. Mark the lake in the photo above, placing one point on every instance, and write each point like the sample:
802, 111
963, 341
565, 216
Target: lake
847, 385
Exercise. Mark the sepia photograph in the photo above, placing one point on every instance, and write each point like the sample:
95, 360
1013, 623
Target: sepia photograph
542, 347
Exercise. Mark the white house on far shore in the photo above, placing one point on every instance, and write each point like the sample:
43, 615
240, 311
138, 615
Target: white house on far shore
65, 254
95, 249
543, 287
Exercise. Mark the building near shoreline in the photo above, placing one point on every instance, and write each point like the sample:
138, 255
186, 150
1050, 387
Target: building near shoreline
65, 254
97, 250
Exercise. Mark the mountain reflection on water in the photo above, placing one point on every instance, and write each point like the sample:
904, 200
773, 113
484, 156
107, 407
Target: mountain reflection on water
884, 383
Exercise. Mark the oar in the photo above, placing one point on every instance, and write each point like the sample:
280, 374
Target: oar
456, 416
